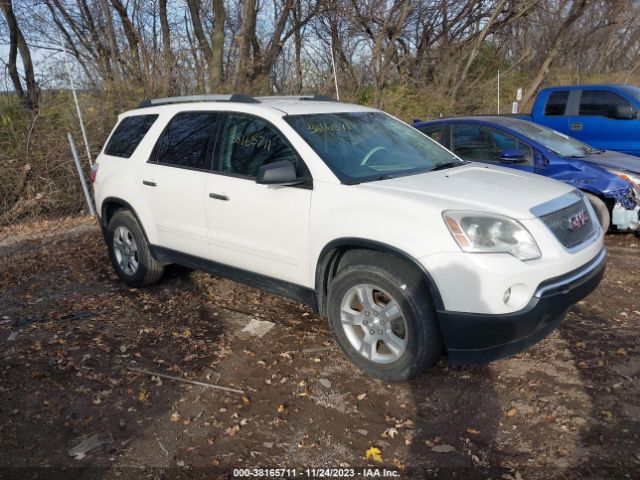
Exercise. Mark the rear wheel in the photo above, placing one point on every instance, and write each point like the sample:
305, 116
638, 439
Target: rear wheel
382, 318
129, 251
601, 210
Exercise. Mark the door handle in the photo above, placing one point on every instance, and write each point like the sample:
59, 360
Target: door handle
217, 196
149, 183
576, 126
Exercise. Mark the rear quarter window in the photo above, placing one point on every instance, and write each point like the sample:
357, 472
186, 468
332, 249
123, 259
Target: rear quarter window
128, 134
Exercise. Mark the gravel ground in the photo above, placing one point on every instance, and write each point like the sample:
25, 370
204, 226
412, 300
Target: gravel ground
71, 405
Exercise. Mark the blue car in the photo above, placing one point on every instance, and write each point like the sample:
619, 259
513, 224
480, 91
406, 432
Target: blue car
511, 142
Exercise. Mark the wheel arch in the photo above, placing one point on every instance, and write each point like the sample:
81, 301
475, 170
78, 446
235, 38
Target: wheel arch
329, 259
110, 206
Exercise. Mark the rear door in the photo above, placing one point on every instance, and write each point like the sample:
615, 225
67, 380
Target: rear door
437, 132
556, 110
596, 121
482, 143
258, 228
175, 179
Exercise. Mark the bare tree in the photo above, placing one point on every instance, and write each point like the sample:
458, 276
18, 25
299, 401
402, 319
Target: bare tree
29, 93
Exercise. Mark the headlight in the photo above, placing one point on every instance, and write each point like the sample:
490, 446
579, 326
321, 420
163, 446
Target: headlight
632, 178
477, 232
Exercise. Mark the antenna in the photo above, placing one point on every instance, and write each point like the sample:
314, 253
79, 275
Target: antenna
75, 99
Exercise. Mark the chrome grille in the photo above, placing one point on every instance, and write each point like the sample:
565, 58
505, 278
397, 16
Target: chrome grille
571, 225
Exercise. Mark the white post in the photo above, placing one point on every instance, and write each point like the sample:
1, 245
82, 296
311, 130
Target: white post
335, 76
75, 99
498, 92
83, 181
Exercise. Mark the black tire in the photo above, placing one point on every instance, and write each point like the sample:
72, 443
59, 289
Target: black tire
601, 210
148, 270
406, 286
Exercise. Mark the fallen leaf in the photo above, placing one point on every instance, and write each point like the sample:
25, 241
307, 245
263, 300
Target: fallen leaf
512, 412
143, 396
621, 351
361, 396
231, 431
389, 433
246, 400
175, 416
473, 431
373, 454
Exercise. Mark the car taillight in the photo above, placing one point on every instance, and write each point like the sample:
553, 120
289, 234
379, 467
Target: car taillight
94, 172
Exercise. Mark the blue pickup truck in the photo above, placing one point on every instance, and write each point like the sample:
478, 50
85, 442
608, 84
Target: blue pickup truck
606, 117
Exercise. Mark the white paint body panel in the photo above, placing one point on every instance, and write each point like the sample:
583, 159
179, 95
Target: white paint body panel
280, 232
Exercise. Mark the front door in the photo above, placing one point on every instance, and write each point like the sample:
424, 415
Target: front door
598, 121
259, 228
482, 143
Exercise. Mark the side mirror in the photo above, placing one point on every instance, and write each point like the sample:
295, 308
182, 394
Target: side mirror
511, 155
624, 112
279, 173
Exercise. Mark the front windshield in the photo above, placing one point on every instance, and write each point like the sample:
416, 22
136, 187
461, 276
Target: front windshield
555, 141
366, 146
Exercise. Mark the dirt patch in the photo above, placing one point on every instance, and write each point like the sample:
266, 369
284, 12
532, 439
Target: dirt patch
567, 408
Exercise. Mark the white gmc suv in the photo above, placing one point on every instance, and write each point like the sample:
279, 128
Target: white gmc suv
407, 249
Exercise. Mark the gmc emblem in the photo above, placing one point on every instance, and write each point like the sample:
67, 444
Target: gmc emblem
579, 220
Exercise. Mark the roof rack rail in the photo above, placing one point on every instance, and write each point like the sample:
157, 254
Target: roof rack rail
236, 97
320, 98
308, 98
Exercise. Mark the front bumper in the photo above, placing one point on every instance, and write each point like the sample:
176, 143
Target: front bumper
472, 338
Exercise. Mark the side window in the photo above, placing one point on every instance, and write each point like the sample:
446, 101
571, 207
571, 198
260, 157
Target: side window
185, 141
602, 102
434, 131
556, 103
249, 142
485, 144
128, 134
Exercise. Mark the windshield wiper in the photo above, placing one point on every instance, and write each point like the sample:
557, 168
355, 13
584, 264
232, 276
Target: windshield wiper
445, 165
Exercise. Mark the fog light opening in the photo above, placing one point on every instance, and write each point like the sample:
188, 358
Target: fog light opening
507, 295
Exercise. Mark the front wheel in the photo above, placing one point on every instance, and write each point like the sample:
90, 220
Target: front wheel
382, 318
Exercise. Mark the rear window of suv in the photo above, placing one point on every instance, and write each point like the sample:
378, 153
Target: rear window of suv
128, 134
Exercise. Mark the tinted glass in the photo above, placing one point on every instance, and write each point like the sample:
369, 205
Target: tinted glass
485, 144
128, 134
557, 103
367, 146
434, 131
601, 102
185, 141
249, 142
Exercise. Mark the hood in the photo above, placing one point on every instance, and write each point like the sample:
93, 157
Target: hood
585, 175
615, 160
477, 187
